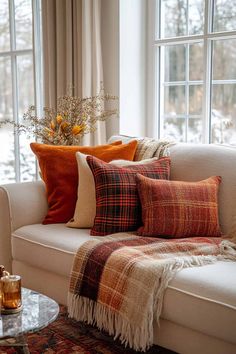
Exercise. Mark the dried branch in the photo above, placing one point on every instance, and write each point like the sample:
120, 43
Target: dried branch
66, 125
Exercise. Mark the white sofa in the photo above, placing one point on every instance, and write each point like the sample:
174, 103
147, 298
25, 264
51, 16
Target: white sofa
199, 312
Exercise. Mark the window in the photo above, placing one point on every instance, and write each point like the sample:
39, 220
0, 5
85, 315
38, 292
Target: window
195, 66
20, 73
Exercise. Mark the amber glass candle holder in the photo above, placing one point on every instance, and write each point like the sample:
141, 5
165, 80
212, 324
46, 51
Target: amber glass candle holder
11, 291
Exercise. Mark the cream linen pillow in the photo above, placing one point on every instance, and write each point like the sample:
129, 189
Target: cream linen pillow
85, 210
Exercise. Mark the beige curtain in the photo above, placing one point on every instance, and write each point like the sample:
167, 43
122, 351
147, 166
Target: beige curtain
72, 56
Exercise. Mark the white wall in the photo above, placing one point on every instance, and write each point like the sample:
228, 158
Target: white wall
124, 32
110, 54
133, 67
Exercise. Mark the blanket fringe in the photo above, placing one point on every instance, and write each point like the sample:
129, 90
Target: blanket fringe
228, 250
134, 335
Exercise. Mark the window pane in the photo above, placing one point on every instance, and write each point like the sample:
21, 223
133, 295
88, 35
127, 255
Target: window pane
7, 169
27, 159
224, 15
23, 23
174, 128
224, 59
26, 83
5, 89
26, 98
174, 18
223, 115
196, 16
196, 65
7, 157
195, 99
182, 17
194, 130
174, 100
4, 26
175, 63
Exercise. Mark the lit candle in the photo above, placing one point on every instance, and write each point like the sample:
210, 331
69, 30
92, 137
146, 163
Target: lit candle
11, 291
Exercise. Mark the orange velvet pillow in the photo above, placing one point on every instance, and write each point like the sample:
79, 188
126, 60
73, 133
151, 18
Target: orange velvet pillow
60, 173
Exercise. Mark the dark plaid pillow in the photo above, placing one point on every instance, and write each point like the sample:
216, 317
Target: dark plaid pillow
118, 206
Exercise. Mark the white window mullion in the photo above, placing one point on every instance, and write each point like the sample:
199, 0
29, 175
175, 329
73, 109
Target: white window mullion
207, 76
187, 93
160, 75
187, 77
159, 79
179, 40
14, 86
161, 89
37, 56
37, 60
16, 52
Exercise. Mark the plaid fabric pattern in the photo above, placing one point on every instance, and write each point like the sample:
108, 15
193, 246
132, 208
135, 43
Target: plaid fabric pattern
179, 209
117, 203
118, 282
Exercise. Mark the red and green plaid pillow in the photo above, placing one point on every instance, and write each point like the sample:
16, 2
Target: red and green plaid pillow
118, 207
179, 209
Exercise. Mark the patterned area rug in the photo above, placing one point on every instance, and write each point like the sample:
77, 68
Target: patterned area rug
66, 336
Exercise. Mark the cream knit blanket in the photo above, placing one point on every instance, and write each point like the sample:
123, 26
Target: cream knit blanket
148, 147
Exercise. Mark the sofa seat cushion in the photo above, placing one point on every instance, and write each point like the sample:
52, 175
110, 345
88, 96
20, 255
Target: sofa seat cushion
49, 247
204, 299
200, 298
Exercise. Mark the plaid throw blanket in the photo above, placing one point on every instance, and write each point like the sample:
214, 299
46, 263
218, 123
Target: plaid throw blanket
118, 282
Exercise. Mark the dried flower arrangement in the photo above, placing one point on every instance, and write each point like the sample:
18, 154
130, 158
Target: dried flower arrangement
66, 125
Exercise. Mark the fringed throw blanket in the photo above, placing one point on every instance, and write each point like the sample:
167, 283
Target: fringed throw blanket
119, 284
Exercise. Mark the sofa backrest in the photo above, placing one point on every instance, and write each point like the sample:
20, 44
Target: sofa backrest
194, 162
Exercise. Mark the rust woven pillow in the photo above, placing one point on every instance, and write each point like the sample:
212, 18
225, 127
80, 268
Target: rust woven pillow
179, 209
60, 173
118, 207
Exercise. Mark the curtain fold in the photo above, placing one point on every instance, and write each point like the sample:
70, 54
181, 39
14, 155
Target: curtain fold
72, 55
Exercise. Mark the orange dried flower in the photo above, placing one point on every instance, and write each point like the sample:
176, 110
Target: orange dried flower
52, 125
77, 129
59, 119
64, 125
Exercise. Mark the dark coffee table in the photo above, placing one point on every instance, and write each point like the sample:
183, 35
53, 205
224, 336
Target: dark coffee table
38, 311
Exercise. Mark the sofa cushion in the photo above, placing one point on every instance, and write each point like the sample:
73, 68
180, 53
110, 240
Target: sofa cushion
118, 207
59, 171
200, 298
85, 209
179, 209
204, 299
50, 247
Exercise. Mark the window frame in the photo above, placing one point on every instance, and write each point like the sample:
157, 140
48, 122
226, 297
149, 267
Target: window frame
155, 62
36, 53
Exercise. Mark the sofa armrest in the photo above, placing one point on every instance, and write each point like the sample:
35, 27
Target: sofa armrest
5, 230
20, 204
